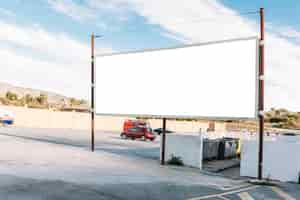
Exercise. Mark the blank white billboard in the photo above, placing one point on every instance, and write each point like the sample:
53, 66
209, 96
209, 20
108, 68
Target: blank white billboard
212, 80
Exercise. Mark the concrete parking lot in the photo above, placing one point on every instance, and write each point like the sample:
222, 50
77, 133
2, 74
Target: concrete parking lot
58, 164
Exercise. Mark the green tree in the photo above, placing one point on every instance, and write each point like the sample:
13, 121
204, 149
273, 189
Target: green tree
76, 102
4, 101
11, 96
82, 102
42, 99
28, 99
73, 102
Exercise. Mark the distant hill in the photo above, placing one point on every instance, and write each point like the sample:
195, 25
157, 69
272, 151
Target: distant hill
21, 91
52, 98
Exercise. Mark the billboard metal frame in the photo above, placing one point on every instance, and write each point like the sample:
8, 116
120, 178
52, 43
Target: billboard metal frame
187, 116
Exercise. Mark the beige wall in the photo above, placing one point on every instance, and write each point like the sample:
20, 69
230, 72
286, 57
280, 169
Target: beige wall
42, 118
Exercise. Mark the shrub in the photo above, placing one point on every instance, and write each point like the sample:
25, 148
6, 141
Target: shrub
11, 96
42, 99
77, 102
175, 160
4, 101
28, 99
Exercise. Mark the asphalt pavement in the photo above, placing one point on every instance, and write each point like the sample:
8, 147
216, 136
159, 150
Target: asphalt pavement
51, 164
16, 188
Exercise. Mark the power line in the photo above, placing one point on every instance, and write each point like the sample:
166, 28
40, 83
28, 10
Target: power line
218, 19
196, 20
250, 13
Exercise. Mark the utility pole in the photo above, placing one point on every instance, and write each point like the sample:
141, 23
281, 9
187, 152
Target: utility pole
261, 92
163, 142
92, 92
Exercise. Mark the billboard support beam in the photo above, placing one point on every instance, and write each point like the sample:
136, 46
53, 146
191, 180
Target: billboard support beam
163, 149
92, 92
261, 93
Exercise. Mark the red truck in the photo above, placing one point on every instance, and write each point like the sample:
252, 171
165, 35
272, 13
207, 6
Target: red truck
137, 129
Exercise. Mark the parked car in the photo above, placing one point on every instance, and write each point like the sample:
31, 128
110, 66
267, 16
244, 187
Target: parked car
6, 118
158, 131
137, 129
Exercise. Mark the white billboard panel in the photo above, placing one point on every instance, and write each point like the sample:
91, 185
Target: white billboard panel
212, 80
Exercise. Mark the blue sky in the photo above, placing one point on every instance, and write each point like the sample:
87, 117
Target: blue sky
123, 36
55, 34
132, 34
277, 11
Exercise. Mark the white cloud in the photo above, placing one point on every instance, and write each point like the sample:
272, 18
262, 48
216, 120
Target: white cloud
285, 32
92, 10
68, 7
200, 21
282, 72
117, 6
292, 33
195, 20
205, 20
176, 37
33, 57
6, 12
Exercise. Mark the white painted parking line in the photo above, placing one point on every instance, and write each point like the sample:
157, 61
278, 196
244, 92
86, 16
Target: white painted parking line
224, 198
228, 188
245, 196
282, 194
225, 193
241, 185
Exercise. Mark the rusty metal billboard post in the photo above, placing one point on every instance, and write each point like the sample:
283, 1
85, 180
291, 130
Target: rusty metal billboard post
93, 90
163, 142
261, 93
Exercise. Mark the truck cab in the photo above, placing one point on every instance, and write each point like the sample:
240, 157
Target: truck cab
135, 129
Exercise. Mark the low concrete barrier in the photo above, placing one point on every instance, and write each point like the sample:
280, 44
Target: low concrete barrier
187, 147
281, 159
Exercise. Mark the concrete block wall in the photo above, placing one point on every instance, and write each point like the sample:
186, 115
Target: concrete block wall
42, 118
